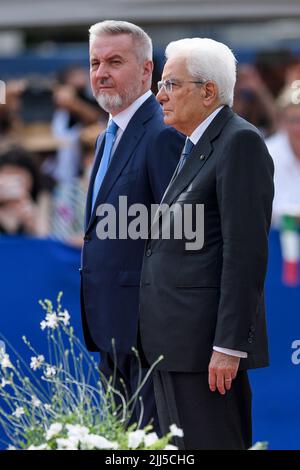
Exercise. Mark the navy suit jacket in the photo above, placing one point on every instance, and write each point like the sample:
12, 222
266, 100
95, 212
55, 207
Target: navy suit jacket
141, 169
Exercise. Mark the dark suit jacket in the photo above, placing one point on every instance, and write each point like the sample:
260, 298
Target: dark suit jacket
141, 169
192, 300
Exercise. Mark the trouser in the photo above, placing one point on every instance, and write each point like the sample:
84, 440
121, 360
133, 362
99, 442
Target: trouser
127, 372
209, 420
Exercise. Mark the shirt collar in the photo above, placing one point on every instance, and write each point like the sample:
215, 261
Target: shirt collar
122, 119
199, 131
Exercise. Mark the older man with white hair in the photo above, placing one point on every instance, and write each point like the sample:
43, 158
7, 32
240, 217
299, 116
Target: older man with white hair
203, 308
134, 161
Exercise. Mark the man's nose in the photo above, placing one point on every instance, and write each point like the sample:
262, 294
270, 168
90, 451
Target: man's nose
162, 95
102, 71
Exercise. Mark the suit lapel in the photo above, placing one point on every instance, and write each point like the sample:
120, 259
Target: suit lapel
129, 140
198, 157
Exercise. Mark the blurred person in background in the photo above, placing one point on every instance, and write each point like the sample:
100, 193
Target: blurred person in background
19, 214
254, 101
284, 147
259, 85
135, 158
10, 111
272, 65
72, 94
69, 198
74, 110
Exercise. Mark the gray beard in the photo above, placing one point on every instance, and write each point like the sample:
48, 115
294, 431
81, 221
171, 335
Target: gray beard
109, 103
114, 103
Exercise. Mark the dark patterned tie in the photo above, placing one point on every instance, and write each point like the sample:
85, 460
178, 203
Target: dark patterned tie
188, 146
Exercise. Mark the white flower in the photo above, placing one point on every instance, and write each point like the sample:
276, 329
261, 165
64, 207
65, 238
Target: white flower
19, 412
92, 441
52, 320
67, 444
54, 430
170, 447
175, 431
149, 439
41, 447
47, 407
50, 371
78, 432
36, 362
5, 361
36, 402
10, 447
65, 317
135, 438
4, 383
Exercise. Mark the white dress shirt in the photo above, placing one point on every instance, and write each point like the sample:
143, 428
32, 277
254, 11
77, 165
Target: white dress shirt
195, 137
199, 131
122, 119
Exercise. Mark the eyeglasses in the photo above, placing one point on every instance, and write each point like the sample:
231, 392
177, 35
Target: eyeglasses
168, 84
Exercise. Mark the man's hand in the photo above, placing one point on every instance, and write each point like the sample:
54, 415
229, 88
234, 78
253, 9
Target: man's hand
222, 370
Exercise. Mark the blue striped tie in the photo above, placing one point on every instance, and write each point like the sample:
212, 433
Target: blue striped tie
110, 135
188, 146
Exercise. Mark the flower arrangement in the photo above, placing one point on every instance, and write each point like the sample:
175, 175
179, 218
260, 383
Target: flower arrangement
63, 403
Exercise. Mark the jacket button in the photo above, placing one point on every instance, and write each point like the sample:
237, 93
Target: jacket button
149, 252
202, 157
250, 340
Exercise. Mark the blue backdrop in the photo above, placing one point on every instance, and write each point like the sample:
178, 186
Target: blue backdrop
276, 401
37, 269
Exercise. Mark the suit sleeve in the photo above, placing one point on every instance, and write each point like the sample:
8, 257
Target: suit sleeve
162, 158
245, 194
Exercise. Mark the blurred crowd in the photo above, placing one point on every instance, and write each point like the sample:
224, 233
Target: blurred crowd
268, 95
48, 129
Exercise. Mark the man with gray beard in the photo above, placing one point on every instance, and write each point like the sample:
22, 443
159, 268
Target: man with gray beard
135, 158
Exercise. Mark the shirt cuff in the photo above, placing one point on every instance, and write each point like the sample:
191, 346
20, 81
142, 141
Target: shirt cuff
231, 352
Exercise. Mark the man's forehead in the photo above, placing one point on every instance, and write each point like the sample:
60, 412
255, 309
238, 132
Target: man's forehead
174, 66
108, 44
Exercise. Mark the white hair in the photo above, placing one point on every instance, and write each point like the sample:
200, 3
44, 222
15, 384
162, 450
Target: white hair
143, 43
207, 59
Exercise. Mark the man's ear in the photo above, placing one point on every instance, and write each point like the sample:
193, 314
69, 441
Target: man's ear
210, 93
148, 69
